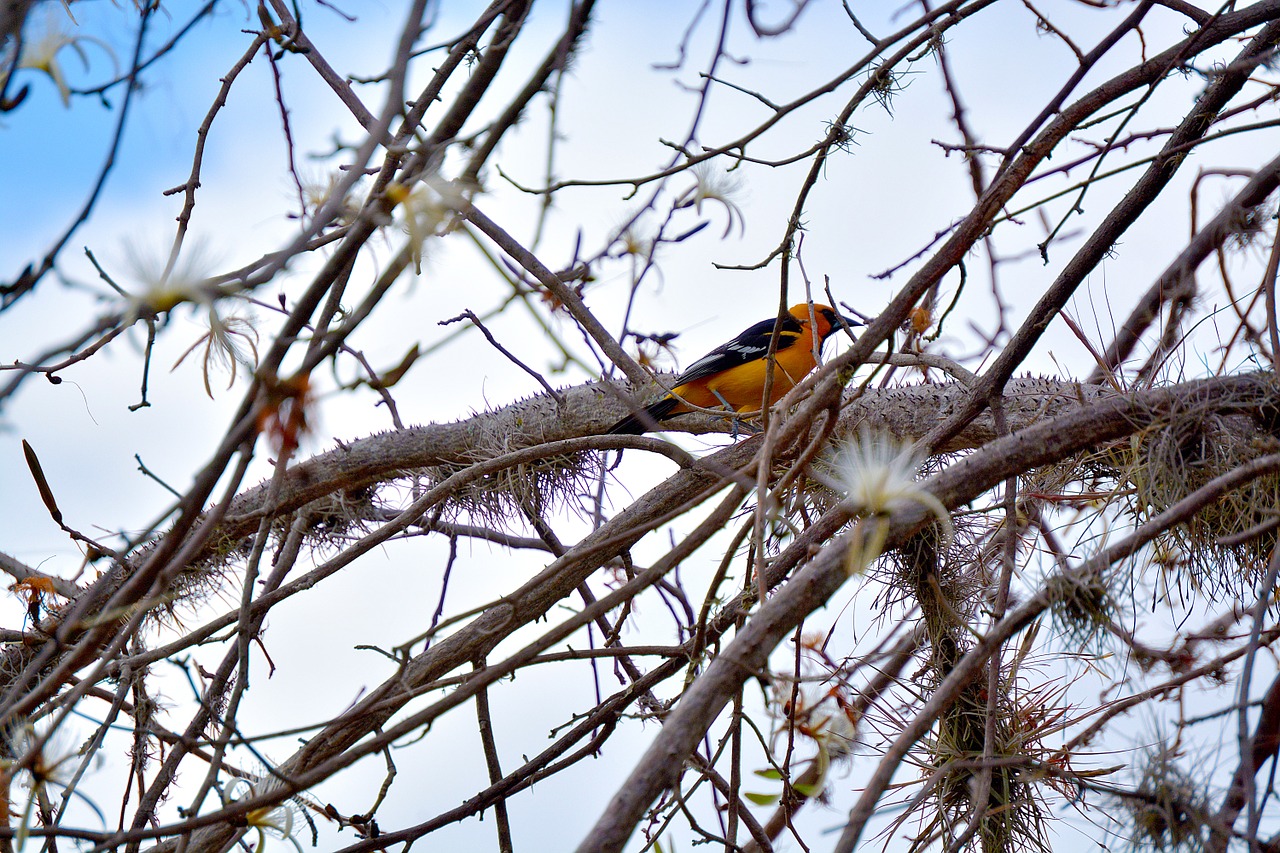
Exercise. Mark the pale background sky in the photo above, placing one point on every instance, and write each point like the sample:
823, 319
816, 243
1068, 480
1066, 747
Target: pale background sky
874, 207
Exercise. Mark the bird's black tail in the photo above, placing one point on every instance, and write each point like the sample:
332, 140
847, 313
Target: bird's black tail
638, 424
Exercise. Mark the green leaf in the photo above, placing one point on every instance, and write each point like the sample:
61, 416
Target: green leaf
811, 789
769, 773
762, 799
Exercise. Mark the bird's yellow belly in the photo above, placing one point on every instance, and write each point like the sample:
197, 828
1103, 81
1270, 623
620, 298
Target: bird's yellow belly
741, 388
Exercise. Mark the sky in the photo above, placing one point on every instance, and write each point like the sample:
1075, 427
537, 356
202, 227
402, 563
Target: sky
874, 207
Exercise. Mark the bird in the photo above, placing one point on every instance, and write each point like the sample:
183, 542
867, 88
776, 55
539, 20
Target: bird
732, 376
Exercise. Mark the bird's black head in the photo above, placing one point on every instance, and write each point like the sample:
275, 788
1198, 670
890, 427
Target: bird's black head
834, 320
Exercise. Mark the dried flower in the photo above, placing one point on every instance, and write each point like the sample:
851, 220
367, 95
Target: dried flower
230, 342
286, 414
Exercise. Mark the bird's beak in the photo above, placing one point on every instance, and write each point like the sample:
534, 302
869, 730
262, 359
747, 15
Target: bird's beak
850, 321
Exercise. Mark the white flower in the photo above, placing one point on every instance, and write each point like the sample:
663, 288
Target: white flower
835, 736
231, 341
429, 209
41, 54
879, 474
711, 184
821, 714
44, 757
164, 286
276, 821
317, 191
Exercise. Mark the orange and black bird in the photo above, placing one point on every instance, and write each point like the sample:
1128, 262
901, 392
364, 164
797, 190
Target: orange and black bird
732, 376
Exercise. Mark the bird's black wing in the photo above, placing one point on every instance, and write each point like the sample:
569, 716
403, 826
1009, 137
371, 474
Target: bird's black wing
751, 345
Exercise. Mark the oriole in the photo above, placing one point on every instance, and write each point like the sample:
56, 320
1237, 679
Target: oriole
732, 376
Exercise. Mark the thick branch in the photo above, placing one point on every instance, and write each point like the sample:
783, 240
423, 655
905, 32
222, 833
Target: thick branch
813, 586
